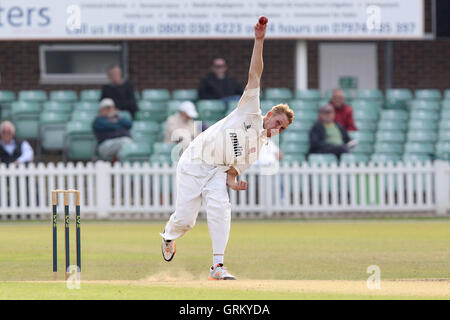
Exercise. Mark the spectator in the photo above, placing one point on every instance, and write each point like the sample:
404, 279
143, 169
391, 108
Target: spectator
111, 130
218, 85
119, 90
328, 136
13, 150
344, 112
181, 126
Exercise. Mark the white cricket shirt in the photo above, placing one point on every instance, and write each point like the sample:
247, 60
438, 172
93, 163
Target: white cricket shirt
236, 140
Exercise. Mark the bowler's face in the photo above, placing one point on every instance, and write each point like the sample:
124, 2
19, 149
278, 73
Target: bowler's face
275, 123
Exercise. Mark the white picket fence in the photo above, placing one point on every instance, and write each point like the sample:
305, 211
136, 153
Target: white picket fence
133, 190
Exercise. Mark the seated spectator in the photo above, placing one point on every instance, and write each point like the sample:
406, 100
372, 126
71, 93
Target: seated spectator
111, 130
119, 90
180, 127
344, 112
328, 136
13, 150
218, 85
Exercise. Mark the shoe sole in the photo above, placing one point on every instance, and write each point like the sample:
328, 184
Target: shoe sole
173, 255
215, 279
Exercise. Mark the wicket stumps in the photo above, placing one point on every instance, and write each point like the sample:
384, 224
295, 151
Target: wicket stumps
66, 194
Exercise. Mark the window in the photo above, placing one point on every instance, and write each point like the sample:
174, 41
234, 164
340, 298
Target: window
77, 63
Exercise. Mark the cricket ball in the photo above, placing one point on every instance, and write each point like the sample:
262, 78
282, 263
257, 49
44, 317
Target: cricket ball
263, 20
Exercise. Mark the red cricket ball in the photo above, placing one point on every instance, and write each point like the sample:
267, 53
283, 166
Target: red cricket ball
263, 20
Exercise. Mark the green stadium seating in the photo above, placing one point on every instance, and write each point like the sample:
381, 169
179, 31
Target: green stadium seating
442, 147
443, 156
365, 115
266, 106
152, 111
317, 158
6, 98
163, 148
52, 127
397, 98
444, 124
212, 110
125, 114
392, 125
80, 142
308, 95
278, 94
25, 116
300, 126
172, 107
385, 158
32, 95
354, 158
444, 135
293, 136
366, 125
362, 136
160, 159
428, 94
302, 115
156, 94
422, 125
185, 94
398, 115
445, 114
369, 94
87, 106
305, 105
137, 95
134, 152
418, 147
294, 148
447, 94
416, 157
366, 105
424, 105
445, 104
293, 157
63, 95
83, 116
90, 95
389, 148
364, 148
321, 103
424, 115
429, 136
57, 106
145, 131
390, 136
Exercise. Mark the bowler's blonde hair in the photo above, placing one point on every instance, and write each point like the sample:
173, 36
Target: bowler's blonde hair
284, 108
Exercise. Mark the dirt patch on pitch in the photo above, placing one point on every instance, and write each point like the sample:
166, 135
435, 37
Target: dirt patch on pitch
387, 287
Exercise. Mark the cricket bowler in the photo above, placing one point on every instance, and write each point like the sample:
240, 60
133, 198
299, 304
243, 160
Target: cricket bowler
214, 159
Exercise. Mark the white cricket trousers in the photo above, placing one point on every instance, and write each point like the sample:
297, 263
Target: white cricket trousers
197, 182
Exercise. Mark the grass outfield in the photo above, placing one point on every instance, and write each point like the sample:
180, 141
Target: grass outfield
272, 260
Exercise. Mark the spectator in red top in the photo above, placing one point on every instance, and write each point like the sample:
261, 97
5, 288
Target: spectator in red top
344, 113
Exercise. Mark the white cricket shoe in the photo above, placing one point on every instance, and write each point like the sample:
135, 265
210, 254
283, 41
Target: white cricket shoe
168, 248
219, 272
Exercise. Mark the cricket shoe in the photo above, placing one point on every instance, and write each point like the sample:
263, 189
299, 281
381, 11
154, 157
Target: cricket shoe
168, 248
219, 272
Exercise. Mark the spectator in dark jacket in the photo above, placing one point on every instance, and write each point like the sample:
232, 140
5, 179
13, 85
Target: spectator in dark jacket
218, 85
328, 136
119, 90
13, 150
111, 130
344, 112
